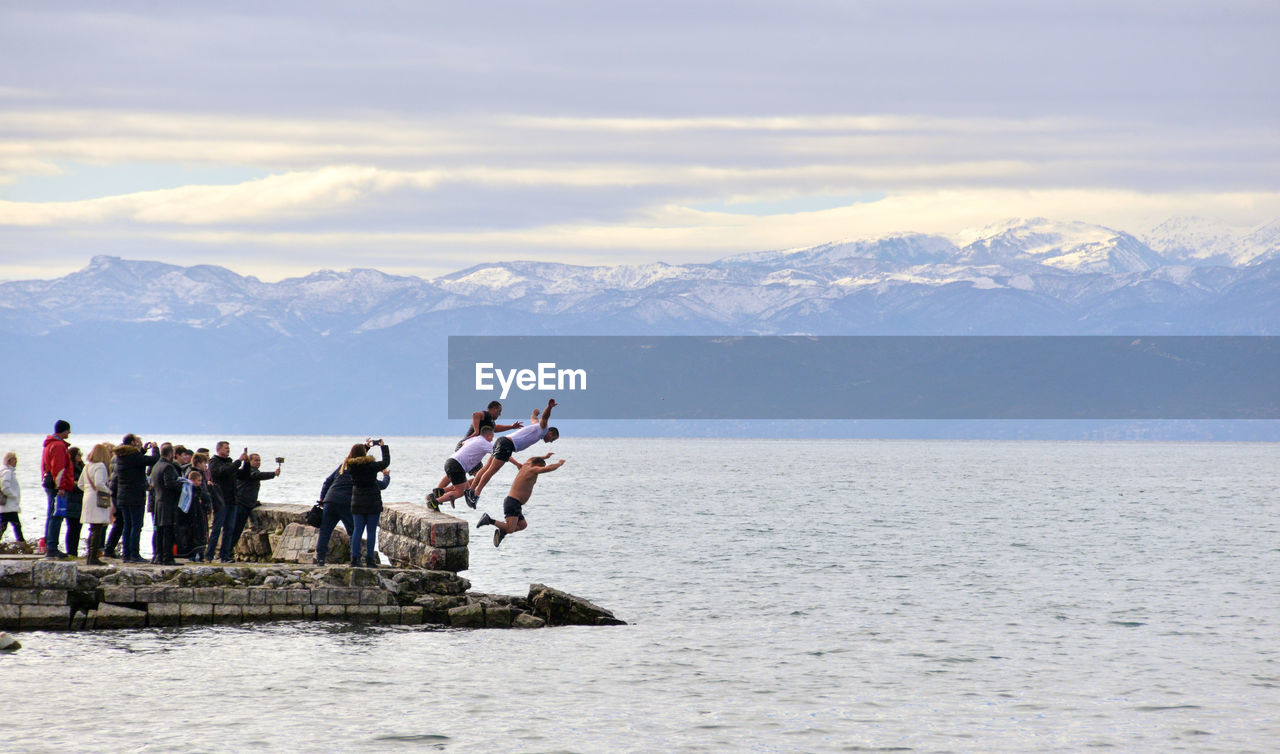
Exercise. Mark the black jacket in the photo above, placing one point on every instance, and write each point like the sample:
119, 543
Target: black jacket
337, 487
366, 497
75, 498
223, 472
248, 480
129, 474
168, 488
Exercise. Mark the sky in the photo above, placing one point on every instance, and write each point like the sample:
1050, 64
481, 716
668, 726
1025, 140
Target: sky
422, 138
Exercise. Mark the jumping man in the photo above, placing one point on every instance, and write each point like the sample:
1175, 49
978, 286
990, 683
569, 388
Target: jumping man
521, 489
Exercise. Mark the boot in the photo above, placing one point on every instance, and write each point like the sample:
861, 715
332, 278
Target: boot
97, 533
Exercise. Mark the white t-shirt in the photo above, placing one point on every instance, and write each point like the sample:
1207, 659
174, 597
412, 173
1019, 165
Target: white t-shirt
526, 436
472, 451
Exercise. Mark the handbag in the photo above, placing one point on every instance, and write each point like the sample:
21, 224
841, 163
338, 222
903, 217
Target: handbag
315, 516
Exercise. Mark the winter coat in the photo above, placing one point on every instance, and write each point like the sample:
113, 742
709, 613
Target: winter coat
223, 473
337, 487
95, 483
56, 460
75, 498
168, 487
10, 492
366, 496
129, 475
248, 480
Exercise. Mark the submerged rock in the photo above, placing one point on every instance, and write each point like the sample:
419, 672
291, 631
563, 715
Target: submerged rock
8, 643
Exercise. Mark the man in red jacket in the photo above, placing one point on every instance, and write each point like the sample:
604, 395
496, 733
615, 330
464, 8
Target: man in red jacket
59, 480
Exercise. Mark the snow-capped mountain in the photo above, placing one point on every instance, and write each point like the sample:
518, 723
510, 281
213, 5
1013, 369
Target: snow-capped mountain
1207, 241
1074, 246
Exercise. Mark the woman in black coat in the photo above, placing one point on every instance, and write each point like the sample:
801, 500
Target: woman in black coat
75, 504
366, 498
129, 490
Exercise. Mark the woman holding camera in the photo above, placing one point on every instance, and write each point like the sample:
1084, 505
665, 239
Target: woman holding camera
129, 481
366, 498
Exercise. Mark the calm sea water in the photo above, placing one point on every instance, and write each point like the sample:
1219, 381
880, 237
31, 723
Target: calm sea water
805, 595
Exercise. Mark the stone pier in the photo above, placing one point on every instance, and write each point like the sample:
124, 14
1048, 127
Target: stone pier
47, 595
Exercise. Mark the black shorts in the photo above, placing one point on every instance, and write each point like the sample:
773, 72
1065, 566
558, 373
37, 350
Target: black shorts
503, 447
457, 474
512, 507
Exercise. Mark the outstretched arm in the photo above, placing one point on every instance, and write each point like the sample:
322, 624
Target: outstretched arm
550, 467
546, 413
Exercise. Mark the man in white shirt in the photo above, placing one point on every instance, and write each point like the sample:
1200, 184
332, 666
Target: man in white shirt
456, 466
517, 441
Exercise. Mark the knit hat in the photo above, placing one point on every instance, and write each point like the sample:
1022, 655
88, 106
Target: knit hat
60, 426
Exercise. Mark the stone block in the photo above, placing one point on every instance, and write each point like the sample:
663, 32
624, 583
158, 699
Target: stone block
9, 617
286, 612
266, 596
297, 597
179, 594
447, 559
51, 597
25, 597
226, 614
53, 574
320, 596
308, 612
208, 595
375, 597
164, 614
119, 594
17, 573
196, 614
525, 620
467, 616
235, 596
362, 612
344, 596
150, 593
114, 616
256, 613
6, 594
330, 612
43, 618
389, 615
499, 617
411, 615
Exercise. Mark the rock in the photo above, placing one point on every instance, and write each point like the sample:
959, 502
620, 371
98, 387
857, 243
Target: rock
8, 643
467, 616
520, 604
559, 608
436, 607
525, 620
499, 617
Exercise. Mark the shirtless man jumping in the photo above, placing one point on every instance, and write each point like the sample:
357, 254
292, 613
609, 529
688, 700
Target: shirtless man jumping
519, 494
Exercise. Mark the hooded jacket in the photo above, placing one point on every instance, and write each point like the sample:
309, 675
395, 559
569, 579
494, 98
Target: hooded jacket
366, 497
168, 488
55, 460
129, 474
337, 487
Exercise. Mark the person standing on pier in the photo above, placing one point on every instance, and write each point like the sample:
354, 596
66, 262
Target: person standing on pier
248, 481
335, 496
10, 497
129, 490
222, 470
521, 489
55, 468
366, 500
95, 481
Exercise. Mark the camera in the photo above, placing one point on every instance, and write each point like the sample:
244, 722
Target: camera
279, 459
373, 443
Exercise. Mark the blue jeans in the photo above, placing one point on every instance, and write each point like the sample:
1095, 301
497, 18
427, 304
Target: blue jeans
232, 528
363, 522
133, 516
220, 515
52, 523
334, 512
